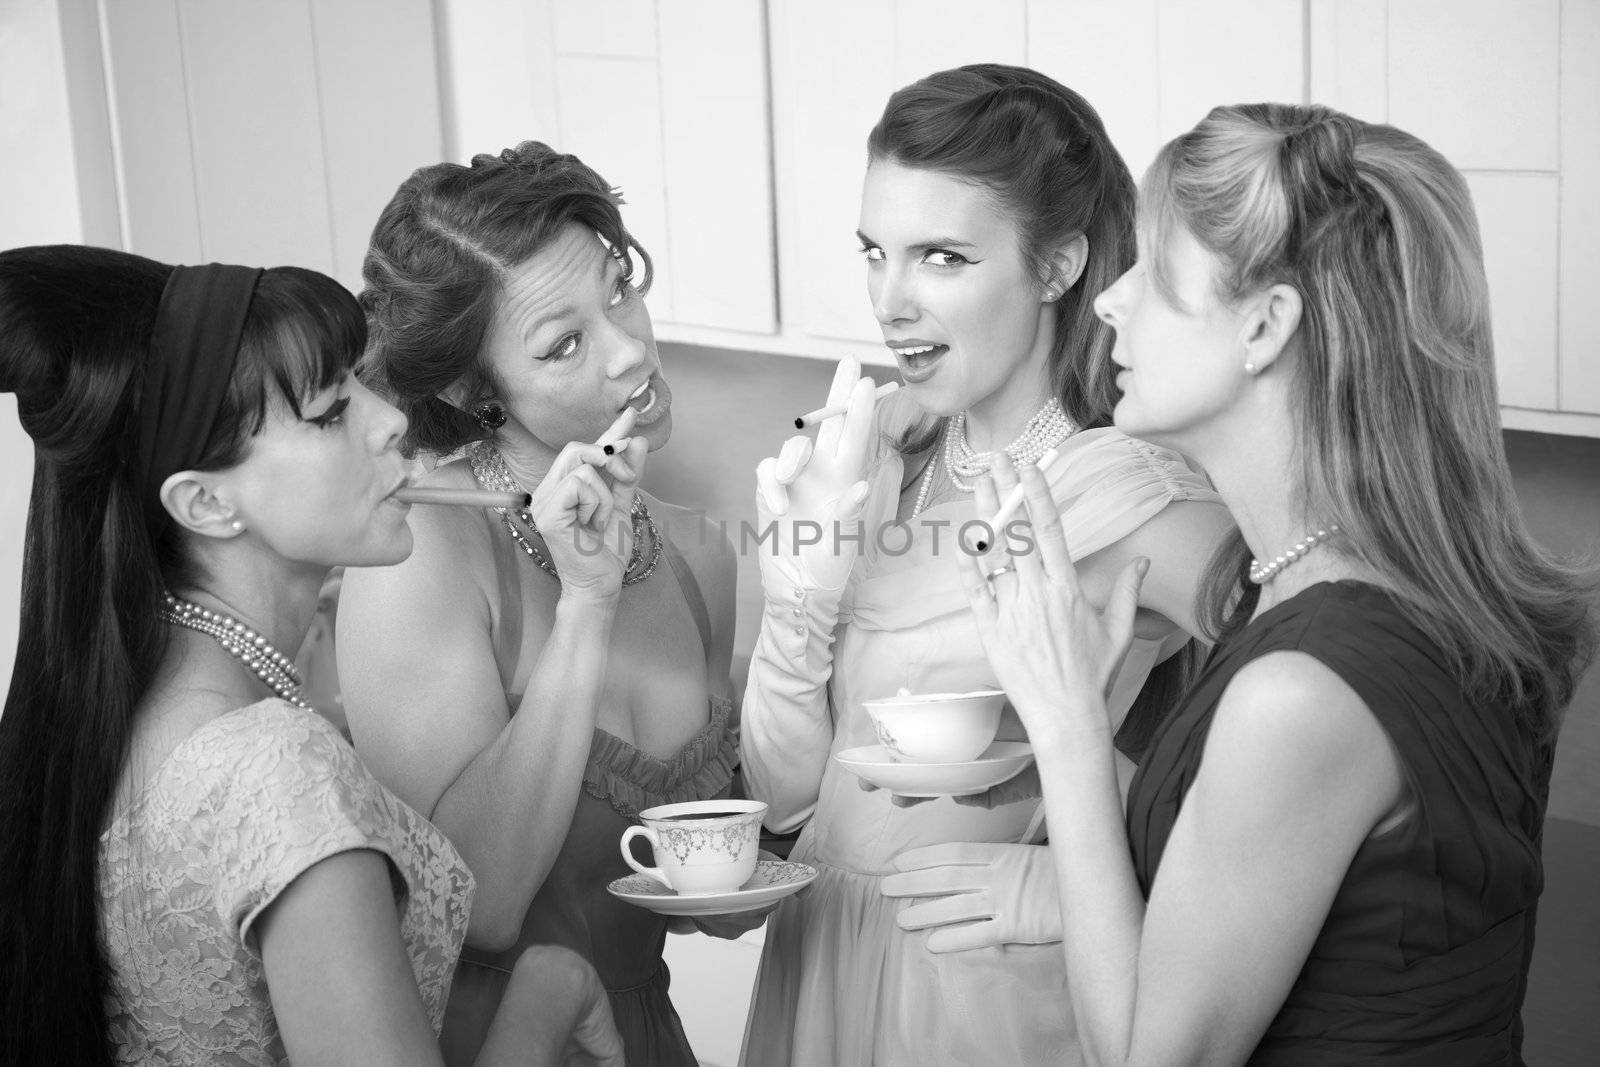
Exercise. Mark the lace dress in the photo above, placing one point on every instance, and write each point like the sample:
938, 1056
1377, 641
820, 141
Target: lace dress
572, 907
237, 811
840, 984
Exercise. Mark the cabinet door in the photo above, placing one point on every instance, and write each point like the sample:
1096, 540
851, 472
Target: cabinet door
267, 134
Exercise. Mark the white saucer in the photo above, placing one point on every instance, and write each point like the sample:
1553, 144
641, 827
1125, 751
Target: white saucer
1002, 760
773, 880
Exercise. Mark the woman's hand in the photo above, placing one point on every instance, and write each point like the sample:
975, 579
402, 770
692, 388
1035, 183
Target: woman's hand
584, 511
555, 1012
814, 492
728, 926
1053, 651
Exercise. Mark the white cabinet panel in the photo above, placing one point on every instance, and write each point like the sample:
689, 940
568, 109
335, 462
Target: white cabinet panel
1106, 50
612, 28
380, 112
497, 61
717, 163
1227, 52
1517, 214
1350, 57
1478, 79
611, 118
832, 72
1580, 206
161, 217
934, 35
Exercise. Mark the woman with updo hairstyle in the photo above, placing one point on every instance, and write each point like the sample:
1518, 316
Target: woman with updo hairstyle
198, 869
531, 686
1331, 848
994, 208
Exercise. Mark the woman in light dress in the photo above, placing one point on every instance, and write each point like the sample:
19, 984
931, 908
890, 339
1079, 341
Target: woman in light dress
198, 869
531, 690
994, 210
1331, 850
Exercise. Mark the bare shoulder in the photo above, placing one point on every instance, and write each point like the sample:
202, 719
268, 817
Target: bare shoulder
1288, 718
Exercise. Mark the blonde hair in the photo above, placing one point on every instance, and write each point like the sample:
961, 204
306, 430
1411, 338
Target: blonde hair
1394, 391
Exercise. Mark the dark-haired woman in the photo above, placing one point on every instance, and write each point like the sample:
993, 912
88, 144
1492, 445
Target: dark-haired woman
529, 696
197, 867
1331, 851
995, 207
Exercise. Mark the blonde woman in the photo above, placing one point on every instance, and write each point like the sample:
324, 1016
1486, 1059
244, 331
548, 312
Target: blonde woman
1331, 852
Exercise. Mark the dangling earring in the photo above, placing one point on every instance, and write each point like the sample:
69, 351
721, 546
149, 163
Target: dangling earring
1250, 368
490, 416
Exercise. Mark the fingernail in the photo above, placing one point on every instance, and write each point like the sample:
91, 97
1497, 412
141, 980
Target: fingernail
1144, 565
609, 450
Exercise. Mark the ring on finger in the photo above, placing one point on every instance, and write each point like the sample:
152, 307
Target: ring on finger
998, 571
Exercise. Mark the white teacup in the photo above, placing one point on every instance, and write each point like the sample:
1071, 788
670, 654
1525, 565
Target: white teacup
937, 727
701, 846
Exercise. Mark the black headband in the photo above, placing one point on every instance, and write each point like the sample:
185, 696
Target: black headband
192, 353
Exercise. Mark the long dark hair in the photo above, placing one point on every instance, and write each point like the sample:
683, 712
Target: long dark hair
436, 266
75, 330
1394, 387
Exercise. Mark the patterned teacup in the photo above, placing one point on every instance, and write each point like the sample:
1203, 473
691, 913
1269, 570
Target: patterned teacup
701, 846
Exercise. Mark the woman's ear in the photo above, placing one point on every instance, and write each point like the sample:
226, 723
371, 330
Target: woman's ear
194, 501
1271, 320
1066, 267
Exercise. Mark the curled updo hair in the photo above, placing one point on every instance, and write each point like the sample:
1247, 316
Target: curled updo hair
75, 335
1393, 387
1043, 153
436, 265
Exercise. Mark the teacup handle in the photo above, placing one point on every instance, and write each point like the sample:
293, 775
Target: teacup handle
655, 846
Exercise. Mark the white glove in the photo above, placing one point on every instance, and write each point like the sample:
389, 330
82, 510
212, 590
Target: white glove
986, 894
815, 492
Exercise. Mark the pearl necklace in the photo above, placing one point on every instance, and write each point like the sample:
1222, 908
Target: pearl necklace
490, 470
1262, 573
1048, 428
240, 642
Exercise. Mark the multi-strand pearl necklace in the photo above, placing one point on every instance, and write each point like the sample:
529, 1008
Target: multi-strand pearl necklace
240, 642
1262, 573
1047, 429
490, 470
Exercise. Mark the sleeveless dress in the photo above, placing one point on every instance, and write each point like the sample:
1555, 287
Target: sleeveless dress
572, 907
840, 984
238, 810
1422, 960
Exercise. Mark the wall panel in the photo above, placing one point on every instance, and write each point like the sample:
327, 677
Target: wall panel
1580, 206
1517, 214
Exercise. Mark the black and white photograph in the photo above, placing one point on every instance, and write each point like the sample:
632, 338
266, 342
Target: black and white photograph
800, 533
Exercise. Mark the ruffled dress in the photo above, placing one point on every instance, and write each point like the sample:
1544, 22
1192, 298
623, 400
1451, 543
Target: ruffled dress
238, 810
573, 908
840, 984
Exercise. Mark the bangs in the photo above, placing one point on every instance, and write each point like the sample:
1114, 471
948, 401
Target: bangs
304, 334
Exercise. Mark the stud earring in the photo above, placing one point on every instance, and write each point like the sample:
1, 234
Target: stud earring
237, 526
1250, 368
1050, 295
490, 416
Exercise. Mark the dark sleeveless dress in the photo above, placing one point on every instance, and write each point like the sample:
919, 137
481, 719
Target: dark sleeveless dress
1423, 958
573, 908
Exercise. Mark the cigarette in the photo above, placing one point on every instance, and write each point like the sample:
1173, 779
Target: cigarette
1014, 498
811, 418
467, 498
617, 431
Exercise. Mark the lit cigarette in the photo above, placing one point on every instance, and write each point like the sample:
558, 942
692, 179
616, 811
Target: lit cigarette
618, 430
811, 418
467, 498
1014, 499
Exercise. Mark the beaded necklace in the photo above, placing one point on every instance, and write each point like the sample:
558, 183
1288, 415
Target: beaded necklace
1262, 573
490, 470
1048, 427
240, 642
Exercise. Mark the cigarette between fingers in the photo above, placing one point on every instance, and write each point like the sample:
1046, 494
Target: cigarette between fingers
811, 418
1014, 499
